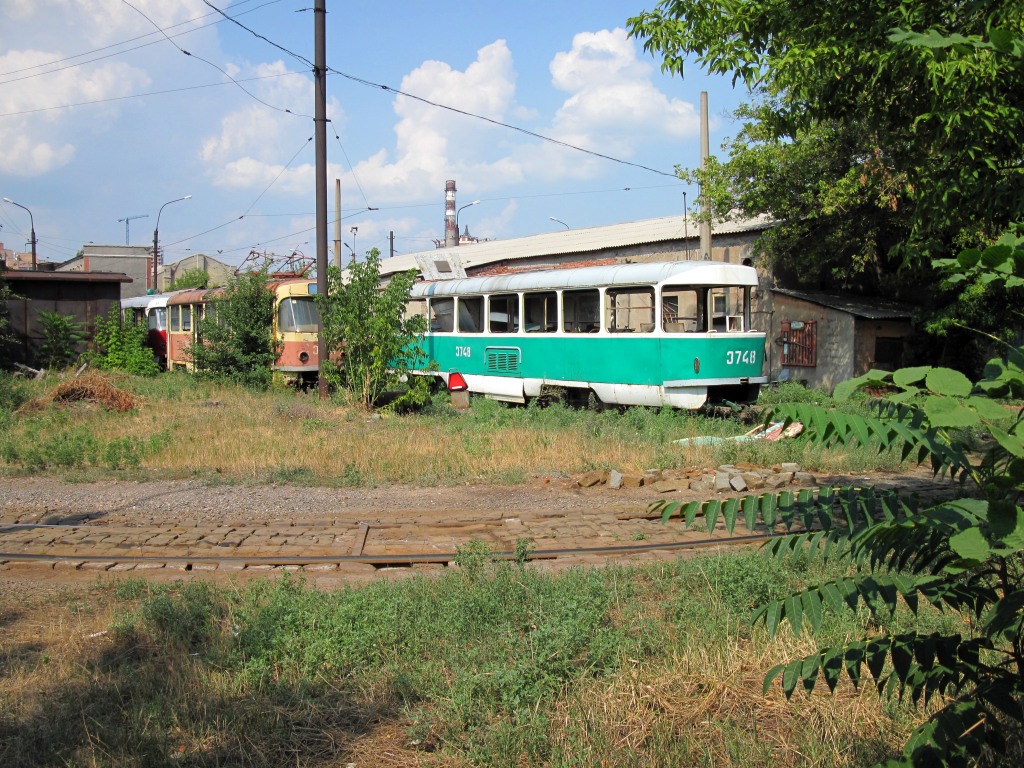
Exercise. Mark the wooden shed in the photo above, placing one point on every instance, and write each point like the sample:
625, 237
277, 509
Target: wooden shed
85, 296
822, 339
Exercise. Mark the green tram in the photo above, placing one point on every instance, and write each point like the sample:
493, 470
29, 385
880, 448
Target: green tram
666, 333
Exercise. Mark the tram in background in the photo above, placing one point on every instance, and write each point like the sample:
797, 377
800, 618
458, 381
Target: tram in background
294, 326
665, 333
150, 310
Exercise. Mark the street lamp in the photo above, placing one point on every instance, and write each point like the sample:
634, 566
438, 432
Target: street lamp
32, 223
156, 234
559, 221
353, 230
458, 235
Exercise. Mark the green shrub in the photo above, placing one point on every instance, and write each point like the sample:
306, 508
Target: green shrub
62, 338
121, 346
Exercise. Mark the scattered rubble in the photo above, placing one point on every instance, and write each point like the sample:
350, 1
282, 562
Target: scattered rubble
728, 478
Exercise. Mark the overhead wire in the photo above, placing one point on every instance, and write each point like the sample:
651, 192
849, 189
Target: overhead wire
119, 44
353, 78
219, 69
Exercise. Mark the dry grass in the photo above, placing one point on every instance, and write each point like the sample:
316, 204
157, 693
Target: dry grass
707, 709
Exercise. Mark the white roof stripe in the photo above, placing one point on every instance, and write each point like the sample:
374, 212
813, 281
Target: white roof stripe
653, 273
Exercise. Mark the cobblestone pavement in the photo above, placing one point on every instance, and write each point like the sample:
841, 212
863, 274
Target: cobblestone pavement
182, 529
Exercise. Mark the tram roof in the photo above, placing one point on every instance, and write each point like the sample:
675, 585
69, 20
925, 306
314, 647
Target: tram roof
653, 273
148, 300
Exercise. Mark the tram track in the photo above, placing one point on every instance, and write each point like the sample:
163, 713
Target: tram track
80, 557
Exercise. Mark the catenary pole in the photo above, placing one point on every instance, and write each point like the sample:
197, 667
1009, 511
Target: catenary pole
320, 120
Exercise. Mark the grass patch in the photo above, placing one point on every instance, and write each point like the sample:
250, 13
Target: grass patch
490, 664
186, 428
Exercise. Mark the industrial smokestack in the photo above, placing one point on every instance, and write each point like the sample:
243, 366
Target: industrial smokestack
451, 231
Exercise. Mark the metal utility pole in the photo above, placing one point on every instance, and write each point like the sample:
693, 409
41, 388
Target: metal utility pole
337, 223
705, 154
127, 220
320, 121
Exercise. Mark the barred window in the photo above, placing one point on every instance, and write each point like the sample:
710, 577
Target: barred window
800, 343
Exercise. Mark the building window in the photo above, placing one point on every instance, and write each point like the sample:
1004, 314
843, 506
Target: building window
800, 343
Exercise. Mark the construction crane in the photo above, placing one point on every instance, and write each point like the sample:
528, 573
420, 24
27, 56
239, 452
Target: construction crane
127, 220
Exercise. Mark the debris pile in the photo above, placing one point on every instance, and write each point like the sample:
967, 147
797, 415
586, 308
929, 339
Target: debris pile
91, 388
728, 478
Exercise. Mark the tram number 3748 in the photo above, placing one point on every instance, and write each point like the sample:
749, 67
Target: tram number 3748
462, 352
740, 356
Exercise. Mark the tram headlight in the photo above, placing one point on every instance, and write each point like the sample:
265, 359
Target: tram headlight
303, 357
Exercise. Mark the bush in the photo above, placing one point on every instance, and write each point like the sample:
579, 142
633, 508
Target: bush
122, 346
236, 341
62, 337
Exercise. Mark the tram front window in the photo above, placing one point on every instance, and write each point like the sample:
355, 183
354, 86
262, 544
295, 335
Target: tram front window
297, 315
158, 319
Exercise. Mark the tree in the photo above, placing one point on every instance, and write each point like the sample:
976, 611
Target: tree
236, 340
193, 277
371, 342
62, 337
121, 346
6, 333
875, 141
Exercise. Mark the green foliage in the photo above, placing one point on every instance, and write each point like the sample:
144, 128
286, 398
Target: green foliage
121, 346
236, 341
6, 333
47, 443
367, 328
963, 556
880, 136
62, 337
193, 277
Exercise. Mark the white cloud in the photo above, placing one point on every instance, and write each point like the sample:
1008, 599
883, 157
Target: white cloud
614, 103
255, 143
39, 142
433, 144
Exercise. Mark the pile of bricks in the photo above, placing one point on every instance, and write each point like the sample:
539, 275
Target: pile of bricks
728, 478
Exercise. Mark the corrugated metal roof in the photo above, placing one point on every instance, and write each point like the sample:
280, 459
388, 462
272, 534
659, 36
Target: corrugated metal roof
654, 273
868, 308
574, 241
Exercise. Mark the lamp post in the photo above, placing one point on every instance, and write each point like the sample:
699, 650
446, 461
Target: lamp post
156, 234
353, 230
458, 234
32, 223
559, 221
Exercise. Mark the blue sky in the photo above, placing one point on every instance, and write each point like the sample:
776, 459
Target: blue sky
159, 125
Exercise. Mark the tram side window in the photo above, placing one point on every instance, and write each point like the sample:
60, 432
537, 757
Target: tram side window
442, 315
297, 316
186, 318
471, 314
630, 310
581, 311
540, 312
175, 318
682, 310
503, 315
